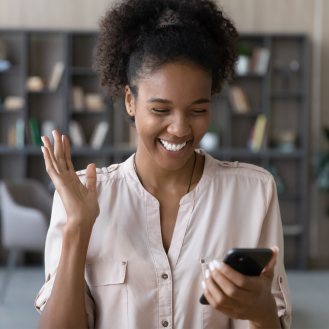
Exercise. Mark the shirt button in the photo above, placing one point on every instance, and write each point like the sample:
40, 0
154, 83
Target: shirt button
123, 263
165, 323
281, 280
164, 276
202, 261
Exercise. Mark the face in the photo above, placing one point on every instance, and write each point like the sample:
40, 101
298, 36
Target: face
172, 113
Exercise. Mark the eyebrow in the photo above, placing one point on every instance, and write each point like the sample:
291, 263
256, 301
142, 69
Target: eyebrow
165, 101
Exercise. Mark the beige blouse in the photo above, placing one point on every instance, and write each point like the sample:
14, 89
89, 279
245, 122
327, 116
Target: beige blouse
130, 280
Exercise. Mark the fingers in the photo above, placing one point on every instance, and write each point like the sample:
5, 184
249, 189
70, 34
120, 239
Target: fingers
49, 163
48, 146
229, 288
91, 177
59, 151
216, 301
244, 282
67, 154
269, 269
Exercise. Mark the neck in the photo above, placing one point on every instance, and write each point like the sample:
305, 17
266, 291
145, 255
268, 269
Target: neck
153, 177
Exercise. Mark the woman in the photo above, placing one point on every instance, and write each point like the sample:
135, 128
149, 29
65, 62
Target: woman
129, 245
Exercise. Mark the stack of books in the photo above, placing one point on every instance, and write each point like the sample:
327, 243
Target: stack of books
80, 101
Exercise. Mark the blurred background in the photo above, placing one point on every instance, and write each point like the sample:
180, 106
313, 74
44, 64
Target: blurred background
275, 115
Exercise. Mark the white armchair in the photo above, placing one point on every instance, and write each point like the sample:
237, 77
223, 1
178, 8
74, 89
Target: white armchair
25, 215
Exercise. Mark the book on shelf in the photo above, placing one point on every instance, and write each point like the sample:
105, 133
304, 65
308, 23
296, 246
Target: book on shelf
56, 76
20, 133
259, 60
258, 135
34, 131
76, 134
99, 134
12, 136
47, 127
77, 99
239, 100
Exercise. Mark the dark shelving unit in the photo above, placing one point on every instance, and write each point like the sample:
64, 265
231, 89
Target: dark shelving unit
34, 52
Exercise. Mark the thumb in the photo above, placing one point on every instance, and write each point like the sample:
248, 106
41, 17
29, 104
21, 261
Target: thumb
269, 269
91, 177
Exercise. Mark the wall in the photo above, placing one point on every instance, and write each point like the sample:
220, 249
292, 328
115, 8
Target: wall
249, 16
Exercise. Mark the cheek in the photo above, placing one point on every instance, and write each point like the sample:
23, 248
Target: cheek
149, 127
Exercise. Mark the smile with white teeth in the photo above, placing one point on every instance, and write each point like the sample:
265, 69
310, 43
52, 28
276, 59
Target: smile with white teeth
172, 147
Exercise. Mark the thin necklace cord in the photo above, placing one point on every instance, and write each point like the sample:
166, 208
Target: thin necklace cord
188, 190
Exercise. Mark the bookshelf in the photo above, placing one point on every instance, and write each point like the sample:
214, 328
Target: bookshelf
34, 52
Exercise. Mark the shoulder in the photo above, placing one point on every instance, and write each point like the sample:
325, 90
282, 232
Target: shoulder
243, 169
113, 172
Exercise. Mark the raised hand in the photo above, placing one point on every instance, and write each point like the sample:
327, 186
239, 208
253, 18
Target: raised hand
80, 201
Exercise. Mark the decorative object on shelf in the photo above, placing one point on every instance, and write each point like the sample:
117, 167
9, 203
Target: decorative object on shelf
77, 99
284, 140
239, 100
99, 134
243, 63
259, 60
286, 73
258, 136
133, 137
277, 178
210, 140
34, 83
321, 168
56, 76
4, 62
13, 103
94, 102
20, 133
34, 131
76, 134
47, 127
12, 136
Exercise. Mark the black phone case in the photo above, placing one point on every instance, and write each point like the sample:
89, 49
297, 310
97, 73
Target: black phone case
249, 262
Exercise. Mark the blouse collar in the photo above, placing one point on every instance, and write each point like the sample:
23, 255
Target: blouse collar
206, 178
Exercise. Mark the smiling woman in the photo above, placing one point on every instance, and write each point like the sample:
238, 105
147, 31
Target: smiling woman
129, 245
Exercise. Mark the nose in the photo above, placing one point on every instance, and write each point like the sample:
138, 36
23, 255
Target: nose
180, 126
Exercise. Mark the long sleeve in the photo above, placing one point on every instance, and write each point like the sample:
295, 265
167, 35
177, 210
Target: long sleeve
271, 234
52, 256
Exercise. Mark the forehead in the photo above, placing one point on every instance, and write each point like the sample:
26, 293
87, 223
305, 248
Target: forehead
176, 81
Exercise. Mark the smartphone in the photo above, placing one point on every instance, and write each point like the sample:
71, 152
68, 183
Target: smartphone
249, 262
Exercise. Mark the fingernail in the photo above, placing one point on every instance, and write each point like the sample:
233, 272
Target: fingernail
42, 150
217, 263
207, 273
211, 266
62, 138
203, 284
42, 139
53, 133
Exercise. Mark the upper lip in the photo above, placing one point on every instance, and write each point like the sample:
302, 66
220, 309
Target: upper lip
175, 143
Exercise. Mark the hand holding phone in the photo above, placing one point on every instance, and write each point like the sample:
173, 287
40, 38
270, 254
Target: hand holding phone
250, 262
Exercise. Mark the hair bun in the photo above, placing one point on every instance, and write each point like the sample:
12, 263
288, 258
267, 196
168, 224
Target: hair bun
169, 18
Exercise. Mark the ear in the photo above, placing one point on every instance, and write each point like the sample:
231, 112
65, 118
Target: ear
130, 101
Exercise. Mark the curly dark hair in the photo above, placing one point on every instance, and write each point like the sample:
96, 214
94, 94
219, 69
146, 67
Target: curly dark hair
130, 44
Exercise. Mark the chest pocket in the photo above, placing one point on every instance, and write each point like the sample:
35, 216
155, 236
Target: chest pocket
108, 287
212, 319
